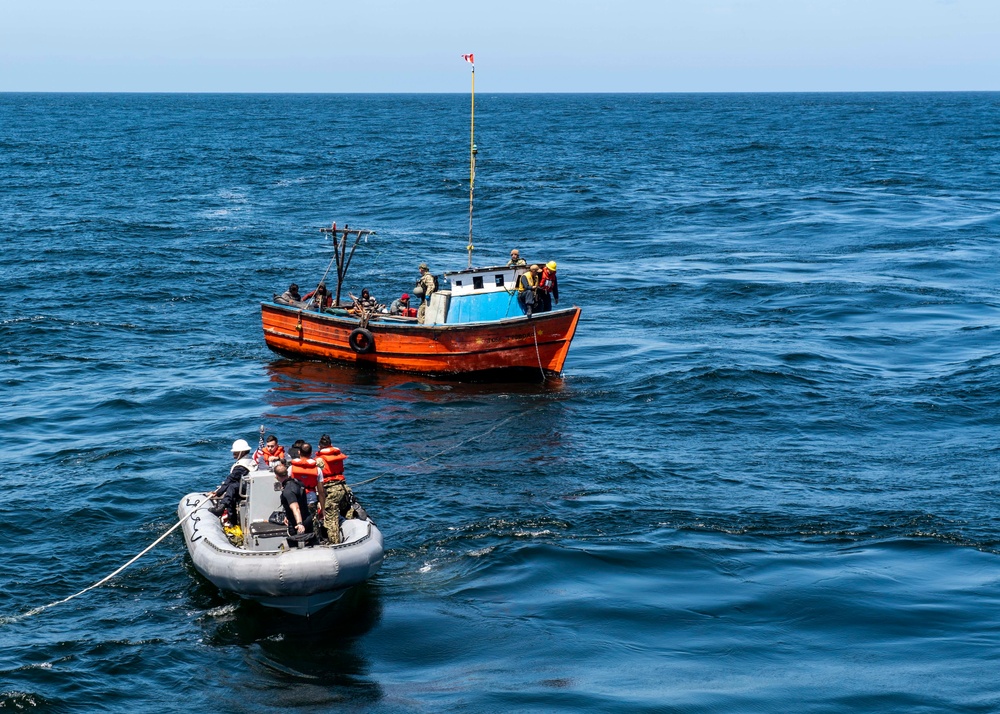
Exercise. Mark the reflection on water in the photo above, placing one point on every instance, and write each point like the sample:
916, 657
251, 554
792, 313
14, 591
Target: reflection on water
401, 419
292, 377
284, 636
293, 661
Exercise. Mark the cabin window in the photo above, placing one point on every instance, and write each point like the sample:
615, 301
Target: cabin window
477, 282
458, 283
499, 280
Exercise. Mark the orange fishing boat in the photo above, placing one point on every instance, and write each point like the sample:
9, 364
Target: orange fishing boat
477, 328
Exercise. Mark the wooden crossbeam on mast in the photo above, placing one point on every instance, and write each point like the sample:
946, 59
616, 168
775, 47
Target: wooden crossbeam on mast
340, 251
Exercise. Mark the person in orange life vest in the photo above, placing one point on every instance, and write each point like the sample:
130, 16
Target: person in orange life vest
548, 287
330, 459
272, 452
337, 497
306, 470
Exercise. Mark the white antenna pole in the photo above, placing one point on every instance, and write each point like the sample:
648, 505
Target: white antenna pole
472, 151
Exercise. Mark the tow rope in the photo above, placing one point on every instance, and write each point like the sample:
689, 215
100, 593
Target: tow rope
434, 456
37, 610
30, 613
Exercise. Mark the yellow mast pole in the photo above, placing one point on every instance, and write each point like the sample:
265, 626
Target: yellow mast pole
472, 153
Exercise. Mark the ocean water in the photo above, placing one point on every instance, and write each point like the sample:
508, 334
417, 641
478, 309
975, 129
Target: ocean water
767, 480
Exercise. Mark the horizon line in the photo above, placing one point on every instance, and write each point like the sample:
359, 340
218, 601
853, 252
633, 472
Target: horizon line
588, 92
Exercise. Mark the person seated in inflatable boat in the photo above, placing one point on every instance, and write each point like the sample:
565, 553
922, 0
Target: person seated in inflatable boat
271, 453
228, 493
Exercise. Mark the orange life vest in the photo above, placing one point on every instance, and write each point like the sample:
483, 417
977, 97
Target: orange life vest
305, 472
547, 281
278, 452
333, 463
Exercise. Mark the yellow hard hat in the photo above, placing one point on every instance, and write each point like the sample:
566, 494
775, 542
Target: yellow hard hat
551, 265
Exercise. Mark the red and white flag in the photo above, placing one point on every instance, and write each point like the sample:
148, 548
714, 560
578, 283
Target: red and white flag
259, 453
471, 59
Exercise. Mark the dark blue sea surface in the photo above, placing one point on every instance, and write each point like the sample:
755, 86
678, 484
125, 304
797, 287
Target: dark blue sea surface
767, 480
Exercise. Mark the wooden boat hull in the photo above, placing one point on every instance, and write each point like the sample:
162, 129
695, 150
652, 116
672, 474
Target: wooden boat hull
538, 344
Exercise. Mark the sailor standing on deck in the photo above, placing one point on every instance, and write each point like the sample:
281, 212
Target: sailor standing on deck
527, 289
425, 287
516, 259
548, 287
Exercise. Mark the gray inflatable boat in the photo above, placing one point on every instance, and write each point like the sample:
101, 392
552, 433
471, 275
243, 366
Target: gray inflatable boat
266, 568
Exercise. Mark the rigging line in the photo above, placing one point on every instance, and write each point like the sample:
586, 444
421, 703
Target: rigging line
445, 451
329, 265
30, 613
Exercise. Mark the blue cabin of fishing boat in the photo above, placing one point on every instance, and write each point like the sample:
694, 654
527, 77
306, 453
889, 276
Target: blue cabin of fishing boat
477, 295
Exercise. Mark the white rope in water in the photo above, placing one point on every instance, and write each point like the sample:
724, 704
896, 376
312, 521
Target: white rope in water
37, 610
30, 613
434, 456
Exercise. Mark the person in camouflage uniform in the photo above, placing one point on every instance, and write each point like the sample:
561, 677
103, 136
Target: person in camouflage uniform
333, 490
516, 259
424, 289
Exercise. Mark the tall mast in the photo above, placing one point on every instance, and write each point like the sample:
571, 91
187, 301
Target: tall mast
470, 58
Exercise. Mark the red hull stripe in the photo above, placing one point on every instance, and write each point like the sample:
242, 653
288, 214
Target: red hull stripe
449, 349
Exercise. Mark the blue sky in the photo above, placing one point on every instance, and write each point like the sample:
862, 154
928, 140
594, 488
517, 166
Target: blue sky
520, 45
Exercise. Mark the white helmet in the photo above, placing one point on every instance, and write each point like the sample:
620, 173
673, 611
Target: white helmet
240, 445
